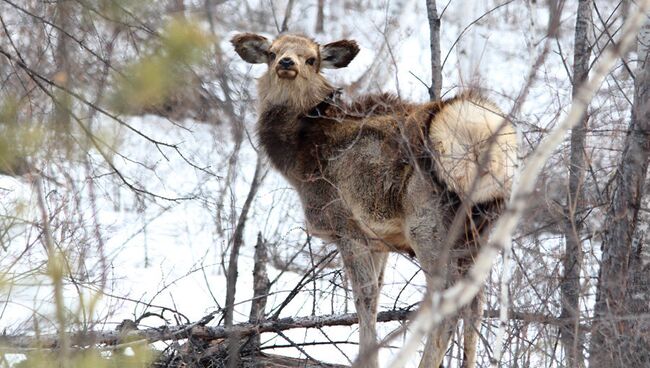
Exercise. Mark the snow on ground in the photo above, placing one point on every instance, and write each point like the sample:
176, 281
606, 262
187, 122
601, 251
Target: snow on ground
168, 253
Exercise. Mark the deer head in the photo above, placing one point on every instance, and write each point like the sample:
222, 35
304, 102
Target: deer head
294, 65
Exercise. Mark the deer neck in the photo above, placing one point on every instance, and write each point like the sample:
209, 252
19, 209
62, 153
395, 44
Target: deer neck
289, 135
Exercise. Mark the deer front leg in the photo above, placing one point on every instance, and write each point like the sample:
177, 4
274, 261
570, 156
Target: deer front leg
364, 269
426, 233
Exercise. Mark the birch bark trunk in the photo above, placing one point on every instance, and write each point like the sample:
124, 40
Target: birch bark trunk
623, 276
571, 337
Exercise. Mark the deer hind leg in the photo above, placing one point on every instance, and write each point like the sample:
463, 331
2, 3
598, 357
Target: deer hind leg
364, 269
426, 233
472, 316
439, 337
437, 343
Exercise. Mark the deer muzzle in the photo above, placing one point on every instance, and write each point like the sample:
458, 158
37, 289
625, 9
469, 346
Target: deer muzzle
286, 68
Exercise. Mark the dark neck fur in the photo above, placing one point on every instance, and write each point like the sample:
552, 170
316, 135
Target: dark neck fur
290, 139
274, 127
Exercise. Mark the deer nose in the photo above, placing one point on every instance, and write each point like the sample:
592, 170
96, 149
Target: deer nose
286, 62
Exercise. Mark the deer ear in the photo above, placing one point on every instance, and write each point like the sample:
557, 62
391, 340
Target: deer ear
338, 54
251, 47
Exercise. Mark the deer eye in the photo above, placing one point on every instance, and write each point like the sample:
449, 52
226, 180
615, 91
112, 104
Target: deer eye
311, 61
271, 55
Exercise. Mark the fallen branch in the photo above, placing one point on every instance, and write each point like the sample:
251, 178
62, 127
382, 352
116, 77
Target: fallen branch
193, 330
197, 330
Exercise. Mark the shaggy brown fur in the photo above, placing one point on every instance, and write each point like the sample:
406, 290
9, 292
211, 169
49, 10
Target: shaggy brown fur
379, 174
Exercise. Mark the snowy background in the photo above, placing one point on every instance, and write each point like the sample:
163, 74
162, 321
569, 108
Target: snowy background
169, 256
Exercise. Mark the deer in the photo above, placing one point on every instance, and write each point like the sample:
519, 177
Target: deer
377, 174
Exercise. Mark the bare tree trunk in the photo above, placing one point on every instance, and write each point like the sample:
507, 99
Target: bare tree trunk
571, 336
614, 343
638, 348
287, 16
320, 21
261, 287
320, 17
434, 43
62, 60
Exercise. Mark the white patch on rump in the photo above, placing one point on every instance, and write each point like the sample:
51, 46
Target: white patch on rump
461, 133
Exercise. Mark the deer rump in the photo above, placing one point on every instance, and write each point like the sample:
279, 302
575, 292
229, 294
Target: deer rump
475, 148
